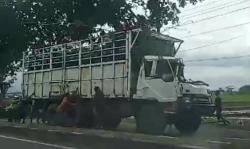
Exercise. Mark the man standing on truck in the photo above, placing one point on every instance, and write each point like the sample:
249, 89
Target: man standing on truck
218, 108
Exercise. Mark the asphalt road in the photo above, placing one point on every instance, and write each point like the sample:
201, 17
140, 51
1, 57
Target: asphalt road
9, 142
212, 136
209, 135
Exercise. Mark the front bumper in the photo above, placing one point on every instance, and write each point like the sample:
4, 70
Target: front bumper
204, 109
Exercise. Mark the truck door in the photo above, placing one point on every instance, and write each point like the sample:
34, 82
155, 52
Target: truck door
157, 81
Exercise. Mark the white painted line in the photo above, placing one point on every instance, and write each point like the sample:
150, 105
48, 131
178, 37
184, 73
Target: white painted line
218, 142
241, 139
18, 126
193, 147
51, 130
167, 137
33, 128
77, 133
36, 142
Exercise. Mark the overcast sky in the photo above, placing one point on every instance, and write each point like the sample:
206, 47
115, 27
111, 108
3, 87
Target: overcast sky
219, 73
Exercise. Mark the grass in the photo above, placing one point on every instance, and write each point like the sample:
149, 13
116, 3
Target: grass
236, 97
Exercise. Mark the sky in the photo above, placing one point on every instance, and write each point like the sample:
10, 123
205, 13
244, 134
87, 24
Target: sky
223, 72
220, 73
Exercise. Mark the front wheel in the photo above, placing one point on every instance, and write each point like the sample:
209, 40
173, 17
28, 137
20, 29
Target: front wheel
187, 122
150, 119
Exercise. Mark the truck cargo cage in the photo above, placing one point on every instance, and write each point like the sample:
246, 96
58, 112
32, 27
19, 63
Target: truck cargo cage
81, 65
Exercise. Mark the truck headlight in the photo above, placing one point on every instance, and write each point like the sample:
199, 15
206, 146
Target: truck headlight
187, 102
186, 99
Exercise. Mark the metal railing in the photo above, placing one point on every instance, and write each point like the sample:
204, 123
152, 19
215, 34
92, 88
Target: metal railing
107, 48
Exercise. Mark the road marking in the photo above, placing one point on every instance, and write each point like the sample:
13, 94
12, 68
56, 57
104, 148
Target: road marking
33, 128
218, 142
193, 146
77, 133
51, 130
36, 142
167, 137
18, 126
241, 139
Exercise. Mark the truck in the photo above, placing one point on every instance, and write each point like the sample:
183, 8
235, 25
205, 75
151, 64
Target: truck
136, 70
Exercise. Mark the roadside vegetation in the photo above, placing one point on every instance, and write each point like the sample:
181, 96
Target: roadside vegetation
236, 97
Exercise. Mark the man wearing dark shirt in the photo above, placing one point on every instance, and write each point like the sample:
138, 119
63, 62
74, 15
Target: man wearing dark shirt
100, 105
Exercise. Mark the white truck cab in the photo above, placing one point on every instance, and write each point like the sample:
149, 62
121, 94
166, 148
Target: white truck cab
161, 79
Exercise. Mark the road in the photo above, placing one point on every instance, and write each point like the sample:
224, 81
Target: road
9, 142
208, 136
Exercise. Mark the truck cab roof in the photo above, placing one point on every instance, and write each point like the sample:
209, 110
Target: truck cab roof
150, 57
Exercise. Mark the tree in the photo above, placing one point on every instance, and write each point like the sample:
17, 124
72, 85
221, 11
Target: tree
162, 12
51, 22
37, 23
229, 89
12, 43
245, 89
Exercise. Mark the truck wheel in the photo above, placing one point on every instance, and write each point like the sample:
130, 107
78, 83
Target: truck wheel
50, 113
188, 122
111, 119
150, 119
84, 116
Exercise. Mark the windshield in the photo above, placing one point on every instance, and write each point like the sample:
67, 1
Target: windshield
164, 69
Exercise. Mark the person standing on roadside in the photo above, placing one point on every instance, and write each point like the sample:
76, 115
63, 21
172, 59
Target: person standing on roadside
218, 109
62, 111
100, 105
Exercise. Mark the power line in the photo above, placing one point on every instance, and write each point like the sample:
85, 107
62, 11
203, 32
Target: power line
215, 16
217, 58
212, 44
216, 30
213, 10
201, 10
209, 18
204, 5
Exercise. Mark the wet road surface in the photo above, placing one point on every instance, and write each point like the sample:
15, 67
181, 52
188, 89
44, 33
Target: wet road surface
9, 142
212, 136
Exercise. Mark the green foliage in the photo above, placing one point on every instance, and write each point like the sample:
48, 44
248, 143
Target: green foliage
162, 12
28, 24
245, 89
51, 22
12, 43
236, 97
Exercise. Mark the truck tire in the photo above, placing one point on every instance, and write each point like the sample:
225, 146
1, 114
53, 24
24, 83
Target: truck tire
151, 120
50, 113
84, 116
111, 119
187, 122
